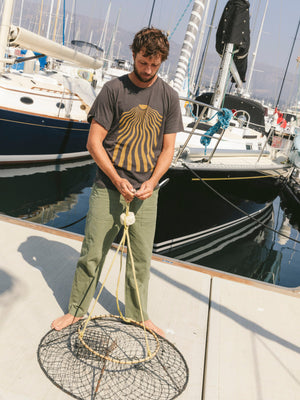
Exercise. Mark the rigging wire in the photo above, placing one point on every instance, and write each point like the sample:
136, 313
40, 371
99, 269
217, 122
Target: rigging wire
172, 16
279, 24
253, 21
236, 207
202, 62
288, 63
180, 19
151, 14
293, 85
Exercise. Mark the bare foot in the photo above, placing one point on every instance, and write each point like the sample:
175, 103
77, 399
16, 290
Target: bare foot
150, 325
64, 321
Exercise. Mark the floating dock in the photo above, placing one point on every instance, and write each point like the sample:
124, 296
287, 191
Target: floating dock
239, 337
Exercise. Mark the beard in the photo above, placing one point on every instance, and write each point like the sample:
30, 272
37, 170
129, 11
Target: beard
140, 78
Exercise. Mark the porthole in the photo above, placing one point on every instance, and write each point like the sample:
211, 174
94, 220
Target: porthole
83, 107
26, 100
60, 105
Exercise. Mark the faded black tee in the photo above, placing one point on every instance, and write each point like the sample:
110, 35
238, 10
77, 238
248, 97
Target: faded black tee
136, 120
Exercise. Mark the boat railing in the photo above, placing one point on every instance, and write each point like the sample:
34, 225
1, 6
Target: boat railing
199, 110
198, 118
242, 117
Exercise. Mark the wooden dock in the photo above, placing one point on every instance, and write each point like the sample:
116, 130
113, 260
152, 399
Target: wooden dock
240, 337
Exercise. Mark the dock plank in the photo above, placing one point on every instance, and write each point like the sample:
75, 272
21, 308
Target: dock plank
36, 272
253, 349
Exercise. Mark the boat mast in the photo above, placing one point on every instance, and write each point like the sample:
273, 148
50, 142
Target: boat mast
204, 54
110, 50
233, 30
4, 31
64, 22
188, 43
21, 13
40, 20
102, 40
49, 21
288, 63
200, 40
255, 51
71, 21
56, 18
222, 77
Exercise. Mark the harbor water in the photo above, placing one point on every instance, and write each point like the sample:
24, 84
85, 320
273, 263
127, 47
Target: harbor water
58, 195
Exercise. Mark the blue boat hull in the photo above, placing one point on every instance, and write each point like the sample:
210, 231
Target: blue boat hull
23, 134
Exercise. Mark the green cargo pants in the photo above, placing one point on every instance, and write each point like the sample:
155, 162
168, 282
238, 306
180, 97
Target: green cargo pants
102, 225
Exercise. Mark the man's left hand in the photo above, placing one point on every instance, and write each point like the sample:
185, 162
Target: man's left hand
145, 190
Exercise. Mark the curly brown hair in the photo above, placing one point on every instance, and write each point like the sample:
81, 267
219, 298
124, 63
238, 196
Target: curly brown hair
152, 41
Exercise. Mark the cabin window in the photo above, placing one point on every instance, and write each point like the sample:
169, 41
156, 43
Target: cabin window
60, 105
248, 146
26, 100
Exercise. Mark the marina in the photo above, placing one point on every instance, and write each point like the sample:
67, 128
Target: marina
224, 276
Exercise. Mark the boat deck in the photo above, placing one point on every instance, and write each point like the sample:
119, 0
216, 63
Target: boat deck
240, 337
235, 152
242, 163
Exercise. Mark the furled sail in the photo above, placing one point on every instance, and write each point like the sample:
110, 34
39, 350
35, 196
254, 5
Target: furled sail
29, 40
234, 28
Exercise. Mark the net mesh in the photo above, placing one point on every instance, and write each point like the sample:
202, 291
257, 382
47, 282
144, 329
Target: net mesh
71, 366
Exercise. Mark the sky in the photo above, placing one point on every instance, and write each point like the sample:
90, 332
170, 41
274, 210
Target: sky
279, 28
274, 47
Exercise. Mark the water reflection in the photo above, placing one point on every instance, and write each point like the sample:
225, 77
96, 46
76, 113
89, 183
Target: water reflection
57, 195
40, 193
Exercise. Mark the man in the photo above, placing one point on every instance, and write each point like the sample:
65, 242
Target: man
134, 122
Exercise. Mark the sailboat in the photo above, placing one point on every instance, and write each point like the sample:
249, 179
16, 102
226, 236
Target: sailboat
224, 175
42, 113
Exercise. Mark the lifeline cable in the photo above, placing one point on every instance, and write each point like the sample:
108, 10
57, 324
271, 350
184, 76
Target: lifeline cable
236, 207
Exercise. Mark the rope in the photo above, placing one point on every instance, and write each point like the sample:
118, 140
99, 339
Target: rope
127, 219
236, 207
182, 15
232, 178
224, 117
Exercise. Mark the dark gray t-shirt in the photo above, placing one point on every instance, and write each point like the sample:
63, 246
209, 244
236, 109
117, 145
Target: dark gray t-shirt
136, 120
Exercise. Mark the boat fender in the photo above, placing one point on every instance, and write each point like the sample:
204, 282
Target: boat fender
128, 219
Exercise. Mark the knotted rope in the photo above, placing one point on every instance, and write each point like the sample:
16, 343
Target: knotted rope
126, 219
224, 117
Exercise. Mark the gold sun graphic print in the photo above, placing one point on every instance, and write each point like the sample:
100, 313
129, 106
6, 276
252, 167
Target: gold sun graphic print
138, 137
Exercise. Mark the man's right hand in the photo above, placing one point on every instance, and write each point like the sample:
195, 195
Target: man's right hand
125, 188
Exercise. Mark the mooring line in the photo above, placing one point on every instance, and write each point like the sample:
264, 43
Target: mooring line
236, 207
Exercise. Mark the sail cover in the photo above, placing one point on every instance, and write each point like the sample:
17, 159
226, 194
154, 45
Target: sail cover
234, 28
